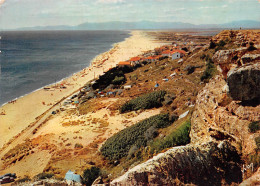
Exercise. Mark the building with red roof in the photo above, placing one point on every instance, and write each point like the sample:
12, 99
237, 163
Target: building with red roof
174, 54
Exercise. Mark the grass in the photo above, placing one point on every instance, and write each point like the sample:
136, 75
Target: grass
176, 138
43, 175
209, 71
136, 136
150, 100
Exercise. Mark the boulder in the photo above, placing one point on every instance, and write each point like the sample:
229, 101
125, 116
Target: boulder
244, 82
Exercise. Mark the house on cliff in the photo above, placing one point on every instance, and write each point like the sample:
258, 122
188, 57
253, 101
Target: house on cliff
174, 54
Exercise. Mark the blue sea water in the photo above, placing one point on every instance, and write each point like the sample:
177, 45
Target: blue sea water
30, 60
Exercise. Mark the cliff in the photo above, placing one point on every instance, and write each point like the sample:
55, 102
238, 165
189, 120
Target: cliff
216, 117
205, 164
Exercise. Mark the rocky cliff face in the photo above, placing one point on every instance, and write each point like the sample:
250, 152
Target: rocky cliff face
206, 164
217, 117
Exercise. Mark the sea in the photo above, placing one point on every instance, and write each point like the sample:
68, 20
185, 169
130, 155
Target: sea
30, 60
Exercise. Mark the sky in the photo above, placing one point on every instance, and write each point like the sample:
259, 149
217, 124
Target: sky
28, 13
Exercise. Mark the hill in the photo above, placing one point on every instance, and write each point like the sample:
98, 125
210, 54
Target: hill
148, 25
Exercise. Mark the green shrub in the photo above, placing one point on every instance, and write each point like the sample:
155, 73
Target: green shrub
22, 180
43, 175
209, 71
78, 146
176, 138
254, 126
90, 175
251, 47
107, 79
150, 100
221, 43
119, 145
118, 80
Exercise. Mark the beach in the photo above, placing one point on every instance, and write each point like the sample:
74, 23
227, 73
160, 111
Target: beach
33, 109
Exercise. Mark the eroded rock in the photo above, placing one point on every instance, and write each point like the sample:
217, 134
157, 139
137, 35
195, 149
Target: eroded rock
247, 58
244, 82
217, 117
206, 164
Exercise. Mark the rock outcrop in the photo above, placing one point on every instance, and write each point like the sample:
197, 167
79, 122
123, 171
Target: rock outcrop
206, 164
223, 56
244, 82
228, 59
250, 58
217, 117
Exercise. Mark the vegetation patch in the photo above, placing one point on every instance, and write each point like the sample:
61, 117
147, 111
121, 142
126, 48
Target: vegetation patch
133, 137
209, 71
113, 76
78, 146
176, 138
43, 175
150, 100
254, 126
251, 47
90, 175
22, 180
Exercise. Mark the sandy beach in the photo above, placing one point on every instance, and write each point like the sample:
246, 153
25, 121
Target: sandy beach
29, 110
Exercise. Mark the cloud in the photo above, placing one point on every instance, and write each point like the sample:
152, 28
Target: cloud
110, 1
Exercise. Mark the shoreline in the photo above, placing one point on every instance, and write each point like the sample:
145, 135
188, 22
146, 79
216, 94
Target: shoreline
27, 108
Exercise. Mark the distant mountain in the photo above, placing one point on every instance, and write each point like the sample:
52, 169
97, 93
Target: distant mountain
59, 27
243, 24
118, 25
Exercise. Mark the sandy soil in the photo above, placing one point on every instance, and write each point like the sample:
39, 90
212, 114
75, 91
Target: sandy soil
26, 109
